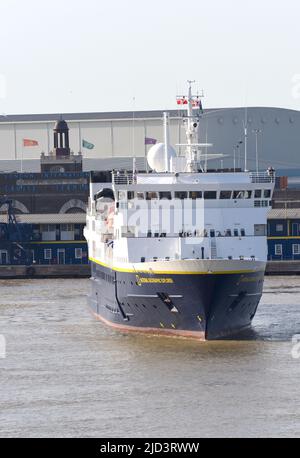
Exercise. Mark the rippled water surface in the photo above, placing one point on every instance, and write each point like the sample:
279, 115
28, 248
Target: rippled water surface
67, 375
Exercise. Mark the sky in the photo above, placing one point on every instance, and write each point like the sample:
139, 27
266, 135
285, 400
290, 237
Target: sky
59, 56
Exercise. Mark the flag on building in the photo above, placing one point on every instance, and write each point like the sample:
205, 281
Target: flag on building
87, 145
150, 141
27, 142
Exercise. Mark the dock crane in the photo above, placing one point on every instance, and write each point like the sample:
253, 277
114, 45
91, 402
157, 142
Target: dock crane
14, 236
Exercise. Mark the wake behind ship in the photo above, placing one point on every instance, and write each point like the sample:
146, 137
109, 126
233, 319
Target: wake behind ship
179, 251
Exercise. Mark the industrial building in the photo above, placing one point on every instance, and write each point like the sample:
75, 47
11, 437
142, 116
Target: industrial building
116, 137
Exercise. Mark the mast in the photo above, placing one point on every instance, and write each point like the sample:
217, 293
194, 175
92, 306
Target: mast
193, 105
191, 124
246, 138
189, 131
166, 140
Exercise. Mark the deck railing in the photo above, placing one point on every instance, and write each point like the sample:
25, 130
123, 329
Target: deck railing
123, 177
263, 177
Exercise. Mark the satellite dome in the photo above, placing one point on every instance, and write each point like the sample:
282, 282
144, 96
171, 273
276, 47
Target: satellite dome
156, 157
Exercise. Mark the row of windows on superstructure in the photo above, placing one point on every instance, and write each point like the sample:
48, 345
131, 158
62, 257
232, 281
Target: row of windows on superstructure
205, 233
210, 195
10, 177
279, 252
44, 189
259, 230
48, 254
57, 232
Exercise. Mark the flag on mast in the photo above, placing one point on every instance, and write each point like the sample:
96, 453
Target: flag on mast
182, 100
87, 145
150, 141
28, 143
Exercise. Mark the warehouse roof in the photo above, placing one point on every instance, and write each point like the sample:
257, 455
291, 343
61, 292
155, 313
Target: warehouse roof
117, 115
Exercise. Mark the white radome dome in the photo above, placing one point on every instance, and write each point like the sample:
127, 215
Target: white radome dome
156, 157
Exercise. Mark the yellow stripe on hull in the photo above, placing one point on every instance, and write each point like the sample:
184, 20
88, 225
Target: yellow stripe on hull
179, 272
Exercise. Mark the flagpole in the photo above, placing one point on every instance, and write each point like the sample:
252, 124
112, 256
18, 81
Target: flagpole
22, 153
133, 138
145, 134
15, 142
48, 139
80, 137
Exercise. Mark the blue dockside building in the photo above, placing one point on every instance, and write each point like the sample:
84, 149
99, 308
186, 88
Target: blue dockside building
284, 234
42, 215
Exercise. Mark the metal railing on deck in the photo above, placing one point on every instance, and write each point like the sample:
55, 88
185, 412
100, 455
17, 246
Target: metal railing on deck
123, 177
263, 177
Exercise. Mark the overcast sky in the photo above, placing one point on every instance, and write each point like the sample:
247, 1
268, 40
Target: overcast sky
95, 55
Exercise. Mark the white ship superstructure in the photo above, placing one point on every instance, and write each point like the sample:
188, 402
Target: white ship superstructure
181, 250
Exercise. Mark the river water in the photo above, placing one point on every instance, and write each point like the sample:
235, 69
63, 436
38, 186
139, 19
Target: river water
66, 375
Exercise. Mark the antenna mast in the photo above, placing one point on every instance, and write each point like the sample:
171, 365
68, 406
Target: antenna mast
191, 123
166, 140
246, 138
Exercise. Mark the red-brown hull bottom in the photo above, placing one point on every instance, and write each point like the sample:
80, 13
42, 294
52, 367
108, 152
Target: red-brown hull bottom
195, 335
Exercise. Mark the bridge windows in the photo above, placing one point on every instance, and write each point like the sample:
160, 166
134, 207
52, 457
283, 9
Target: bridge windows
195, 195
257, 193
181, 195
151, 195
210, 195
225, 195
165, 195
242, 194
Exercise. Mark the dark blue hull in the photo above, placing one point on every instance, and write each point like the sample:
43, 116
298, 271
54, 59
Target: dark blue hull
206, 307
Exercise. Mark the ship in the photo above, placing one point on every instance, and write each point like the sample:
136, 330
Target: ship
179, 249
